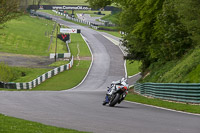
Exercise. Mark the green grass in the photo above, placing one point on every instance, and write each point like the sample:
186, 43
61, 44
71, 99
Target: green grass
8, 73
76, 39
165, 104
19, 74
59, 63
132, 68
114, 33
15, 125
30, 73
109, 27
194, 75
26, 35
114, 18
67, 79
184, 70
61, 46
64, 80
75, 75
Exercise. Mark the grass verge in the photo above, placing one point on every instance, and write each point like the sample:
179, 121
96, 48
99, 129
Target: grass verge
15, 125
184, 70
30, 73
114, 18
132, 68
165, 104
21, 38
63, 81
77, 42
66, 79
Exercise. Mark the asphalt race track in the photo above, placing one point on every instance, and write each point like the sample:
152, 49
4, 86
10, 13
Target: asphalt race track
81, 108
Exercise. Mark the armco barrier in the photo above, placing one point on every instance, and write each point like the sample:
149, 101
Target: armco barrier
39, 80
181, 92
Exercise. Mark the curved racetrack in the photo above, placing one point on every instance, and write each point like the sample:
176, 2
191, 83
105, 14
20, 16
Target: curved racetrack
81, 108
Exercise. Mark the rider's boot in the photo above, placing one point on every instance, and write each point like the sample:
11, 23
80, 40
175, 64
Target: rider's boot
106, 100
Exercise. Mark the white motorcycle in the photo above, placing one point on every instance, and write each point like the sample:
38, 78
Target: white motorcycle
116, 92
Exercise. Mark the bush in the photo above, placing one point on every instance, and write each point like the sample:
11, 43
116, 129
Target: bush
8, 74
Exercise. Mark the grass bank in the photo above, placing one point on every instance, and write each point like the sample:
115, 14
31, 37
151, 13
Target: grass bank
14, 125
184, 70
26, 35
165, 104
114, 18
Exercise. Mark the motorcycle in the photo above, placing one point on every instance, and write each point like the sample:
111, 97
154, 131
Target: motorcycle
116, 92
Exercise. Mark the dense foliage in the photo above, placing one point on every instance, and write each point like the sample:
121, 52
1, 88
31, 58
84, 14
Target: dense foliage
9, 9
158, 30
7, 73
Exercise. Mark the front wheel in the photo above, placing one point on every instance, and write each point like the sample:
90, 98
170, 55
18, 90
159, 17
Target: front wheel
114, 100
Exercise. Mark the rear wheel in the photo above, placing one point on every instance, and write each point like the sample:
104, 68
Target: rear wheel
114, 100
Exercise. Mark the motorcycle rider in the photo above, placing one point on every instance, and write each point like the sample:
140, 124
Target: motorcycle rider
113, 88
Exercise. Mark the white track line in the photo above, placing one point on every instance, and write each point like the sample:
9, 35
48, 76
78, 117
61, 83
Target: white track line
117, 43
163, 108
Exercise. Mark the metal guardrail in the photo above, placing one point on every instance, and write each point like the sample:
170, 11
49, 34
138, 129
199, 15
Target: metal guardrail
181, 92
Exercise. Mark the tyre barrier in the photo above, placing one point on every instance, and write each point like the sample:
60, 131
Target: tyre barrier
38, 80
180, 92
60, 55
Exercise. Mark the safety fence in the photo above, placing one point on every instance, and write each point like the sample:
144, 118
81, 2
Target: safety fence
181, 92
38, 80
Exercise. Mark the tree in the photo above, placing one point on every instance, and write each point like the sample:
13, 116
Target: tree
170, 38
9, 9
157, 30
189, 13
139, 22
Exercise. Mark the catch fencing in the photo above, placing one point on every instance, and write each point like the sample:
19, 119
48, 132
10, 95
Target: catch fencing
181, 92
